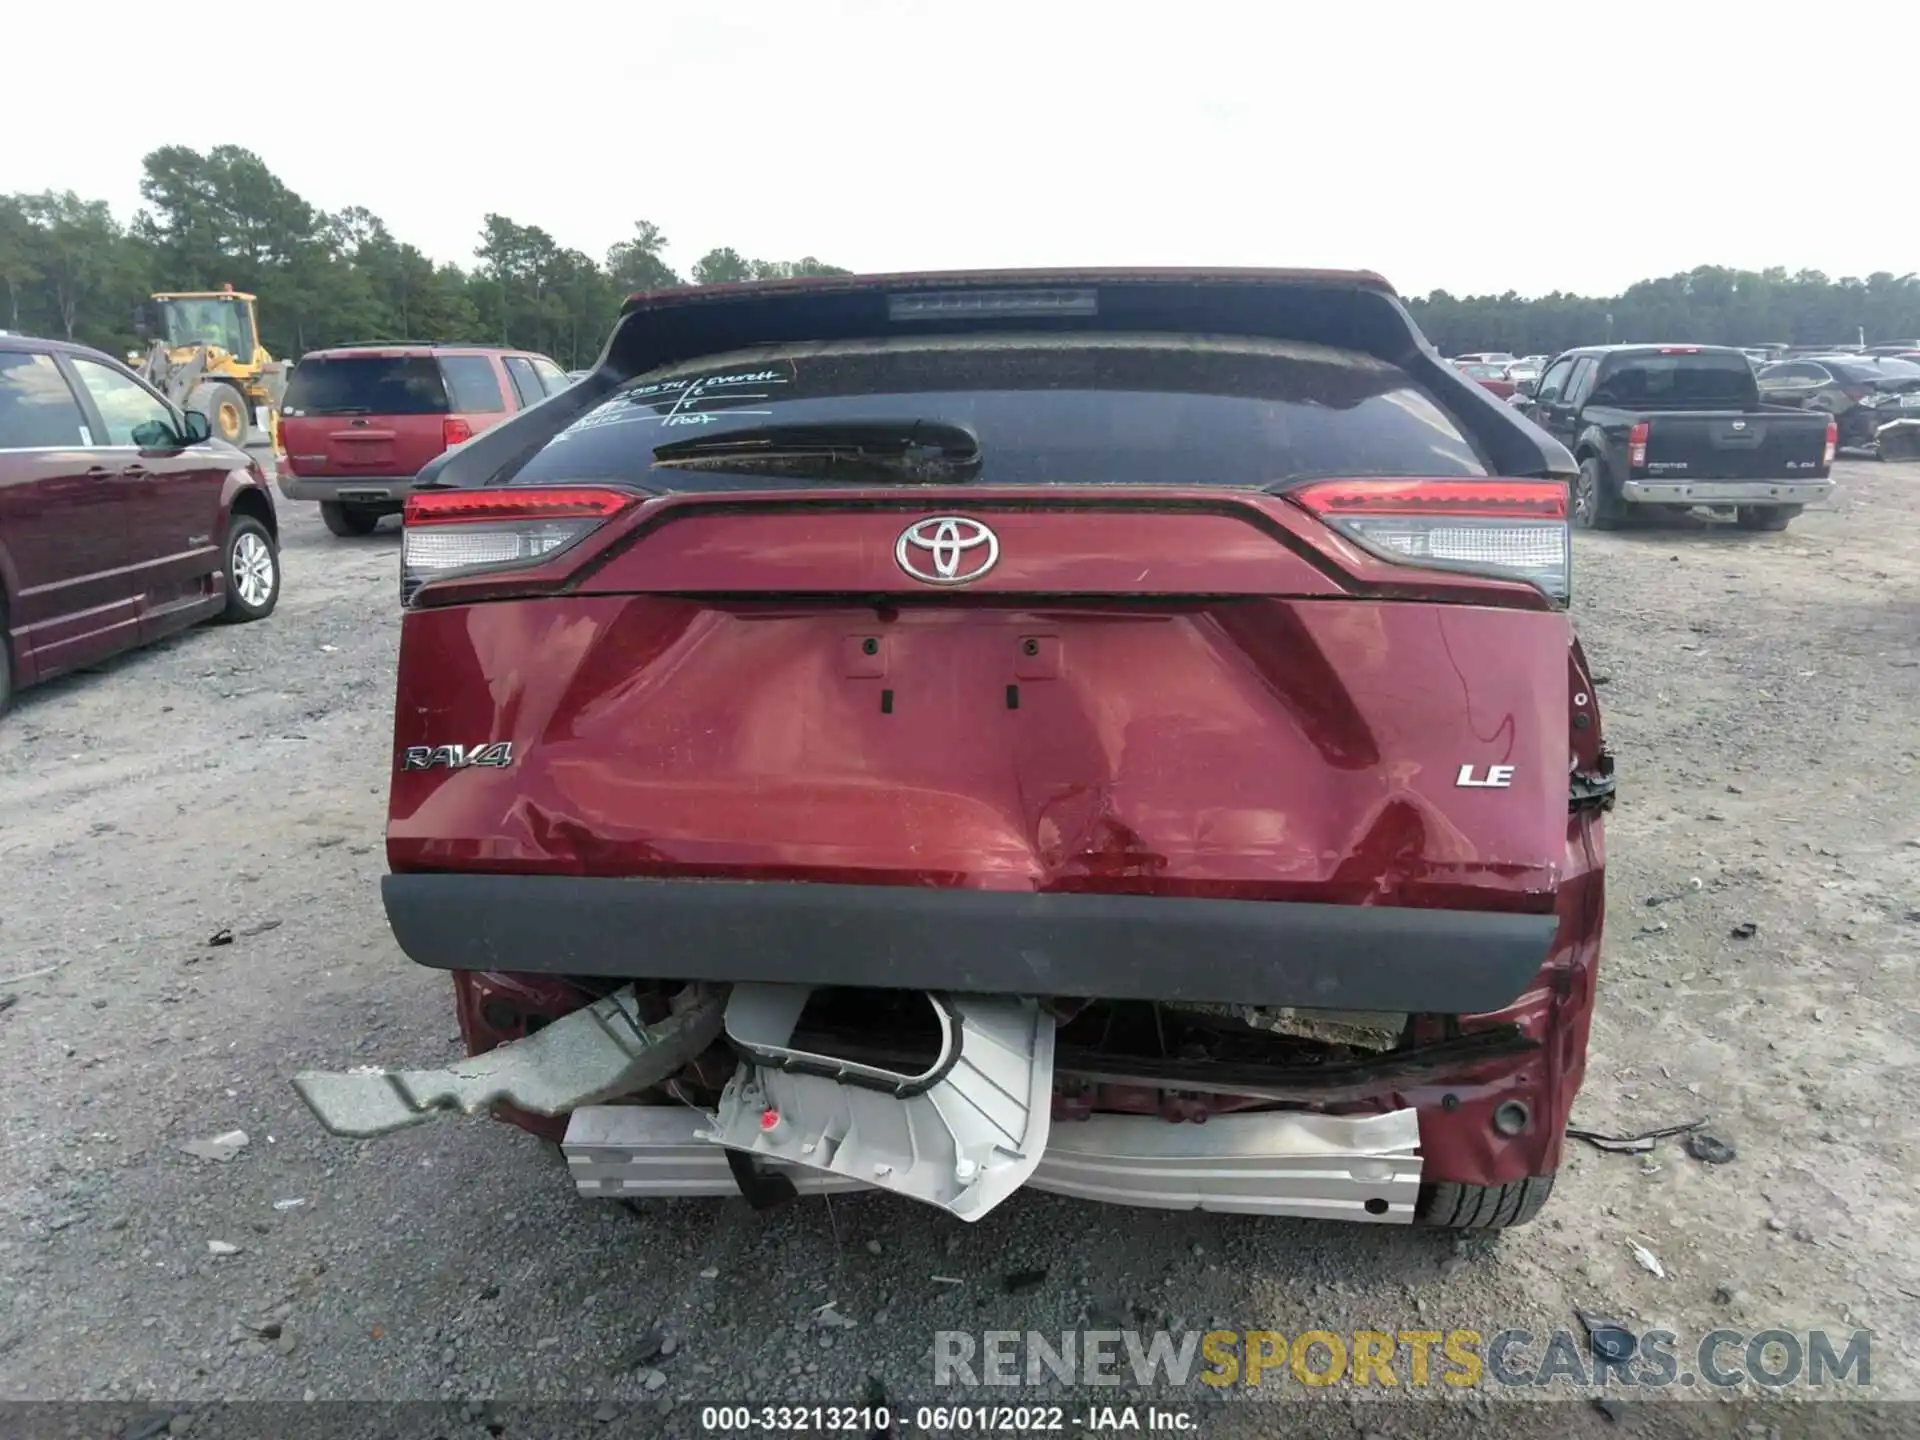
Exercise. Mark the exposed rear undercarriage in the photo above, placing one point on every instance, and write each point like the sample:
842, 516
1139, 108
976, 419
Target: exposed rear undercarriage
955, 1101
1180, 1061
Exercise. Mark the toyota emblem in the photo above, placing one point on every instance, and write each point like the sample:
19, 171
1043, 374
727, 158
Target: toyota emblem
947, 550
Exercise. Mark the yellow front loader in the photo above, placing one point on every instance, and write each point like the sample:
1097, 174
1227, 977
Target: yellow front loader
206, 355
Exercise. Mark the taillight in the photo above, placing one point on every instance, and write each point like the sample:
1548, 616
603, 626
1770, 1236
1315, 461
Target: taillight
1833, 444
497, 529
1516, 528
1637, 445
454, 431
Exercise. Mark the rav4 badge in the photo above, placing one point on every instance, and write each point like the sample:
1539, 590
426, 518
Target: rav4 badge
495, 755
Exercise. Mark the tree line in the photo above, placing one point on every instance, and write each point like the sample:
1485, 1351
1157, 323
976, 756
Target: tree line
1709, 305
69, 268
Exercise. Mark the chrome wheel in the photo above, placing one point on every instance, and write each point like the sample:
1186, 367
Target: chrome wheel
253, 569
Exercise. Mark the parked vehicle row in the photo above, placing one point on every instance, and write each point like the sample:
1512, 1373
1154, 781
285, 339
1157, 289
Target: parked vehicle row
1492, 378
122, 519
1497, 372
1736, 450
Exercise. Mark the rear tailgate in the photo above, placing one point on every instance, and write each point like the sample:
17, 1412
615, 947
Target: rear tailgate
368, 414
1149, 650
1767, 444
1275, 739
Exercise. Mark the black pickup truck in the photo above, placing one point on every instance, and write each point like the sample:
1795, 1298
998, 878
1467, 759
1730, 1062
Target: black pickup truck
1679, 426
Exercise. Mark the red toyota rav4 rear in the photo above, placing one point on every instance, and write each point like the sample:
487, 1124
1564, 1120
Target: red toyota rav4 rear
1118, 733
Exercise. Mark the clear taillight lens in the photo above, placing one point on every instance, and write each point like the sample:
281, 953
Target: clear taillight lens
458, 530
1510, 528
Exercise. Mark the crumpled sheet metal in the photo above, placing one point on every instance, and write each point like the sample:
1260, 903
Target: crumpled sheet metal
594, 1054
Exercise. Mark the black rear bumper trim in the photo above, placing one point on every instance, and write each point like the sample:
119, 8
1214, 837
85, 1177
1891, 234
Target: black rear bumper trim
1114, 947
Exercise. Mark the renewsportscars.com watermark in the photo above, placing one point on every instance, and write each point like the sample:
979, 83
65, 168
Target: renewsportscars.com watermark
1403, 1359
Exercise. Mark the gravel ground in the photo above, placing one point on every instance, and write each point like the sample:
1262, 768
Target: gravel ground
1760, 692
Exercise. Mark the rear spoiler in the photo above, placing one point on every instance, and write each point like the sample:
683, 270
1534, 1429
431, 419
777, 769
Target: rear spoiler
1351, 310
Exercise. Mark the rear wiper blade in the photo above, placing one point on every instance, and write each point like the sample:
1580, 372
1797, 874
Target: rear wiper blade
927, 449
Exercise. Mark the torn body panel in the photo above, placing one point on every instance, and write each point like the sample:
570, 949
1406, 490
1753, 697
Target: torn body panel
606, 1049
963, 1134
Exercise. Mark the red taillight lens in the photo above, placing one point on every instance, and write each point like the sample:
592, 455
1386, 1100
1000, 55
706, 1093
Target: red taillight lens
1509, 527
498, 529
1637, 445
454, 432
1833, 443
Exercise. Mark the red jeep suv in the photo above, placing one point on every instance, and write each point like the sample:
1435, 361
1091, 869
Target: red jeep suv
359, 421
1114, 732
121, 519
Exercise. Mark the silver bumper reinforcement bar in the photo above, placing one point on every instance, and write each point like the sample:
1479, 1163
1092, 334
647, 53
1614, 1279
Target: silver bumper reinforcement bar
1324, 1167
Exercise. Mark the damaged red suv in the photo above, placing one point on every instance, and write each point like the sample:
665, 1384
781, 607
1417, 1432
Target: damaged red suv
1118, 733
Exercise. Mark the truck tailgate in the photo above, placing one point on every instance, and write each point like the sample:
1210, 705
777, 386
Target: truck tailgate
1764, 444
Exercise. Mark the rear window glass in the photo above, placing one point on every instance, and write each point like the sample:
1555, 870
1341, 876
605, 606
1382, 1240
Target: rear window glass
367, 385
37, 408
1079, 410
1679, 381
474, 388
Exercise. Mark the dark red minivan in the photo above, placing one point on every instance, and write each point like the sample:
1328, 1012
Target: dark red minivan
121, 519
359, 421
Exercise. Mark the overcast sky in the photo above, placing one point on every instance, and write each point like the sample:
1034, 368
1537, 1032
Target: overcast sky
1469, 146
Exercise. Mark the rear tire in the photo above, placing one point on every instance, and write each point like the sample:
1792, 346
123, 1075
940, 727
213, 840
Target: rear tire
1482, 1207
225, 409
253, 571
1594, 507
1764, 517
348, 520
